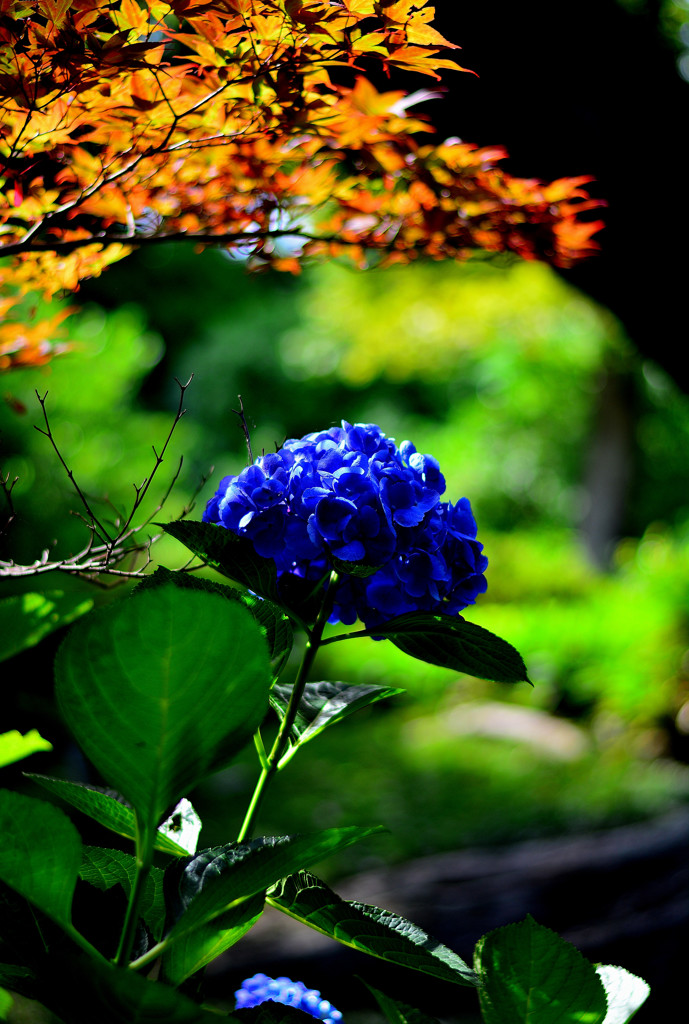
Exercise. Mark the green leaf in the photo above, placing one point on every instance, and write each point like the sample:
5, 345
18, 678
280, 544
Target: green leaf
530, 974
235, 558
104, 809
326, 703
223, 876
359, 569
14, 976
162, 689
183, 826
40, 853
228, 554
451, 642
26, 618
275, 624
396, 1012
624, 991
194, 950
95, 991
14, 746
6, 1001
368, 929
105, 868
269, 1013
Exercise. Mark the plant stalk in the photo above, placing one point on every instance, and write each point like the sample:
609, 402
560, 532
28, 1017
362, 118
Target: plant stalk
282, 739
144, 860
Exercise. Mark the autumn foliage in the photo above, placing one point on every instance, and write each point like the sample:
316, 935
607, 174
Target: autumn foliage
248, 124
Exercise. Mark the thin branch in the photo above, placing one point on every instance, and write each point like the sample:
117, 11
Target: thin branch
188, 508
245, 427
95, 523
142, 490
94, 561
204, 238
7, 491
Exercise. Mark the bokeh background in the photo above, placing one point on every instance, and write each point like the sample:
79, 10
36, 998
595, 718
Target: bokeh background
557, 402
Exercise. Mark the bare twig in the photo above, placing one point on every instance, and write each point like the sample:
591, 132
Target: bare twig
142, 490
106, 558
245, 427
191, 504
7, 488
93, 521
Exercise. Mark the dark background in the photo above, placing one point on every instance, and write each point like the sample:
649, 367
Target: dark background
589, 88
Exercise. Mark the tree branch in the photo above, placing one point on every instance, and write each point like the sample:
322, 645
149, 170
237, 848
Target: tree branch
106, 558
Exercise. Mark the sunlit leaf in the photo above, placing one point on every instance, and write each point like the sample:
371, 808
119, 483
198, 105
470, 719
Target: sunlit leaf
530, 974
162, 689
106, 810
14, 746
221, 877
26, 618
625, 993
193, 950
327, 703
183, 826
368, 929
97, 160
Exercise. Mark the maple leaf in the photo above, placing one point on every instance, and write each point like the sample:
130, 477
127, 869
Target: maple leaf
122, 126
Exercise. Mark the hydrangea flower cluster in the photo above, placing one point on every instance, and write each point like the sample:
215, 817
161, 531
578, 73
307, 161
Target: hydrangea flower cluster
261, 989
348, 494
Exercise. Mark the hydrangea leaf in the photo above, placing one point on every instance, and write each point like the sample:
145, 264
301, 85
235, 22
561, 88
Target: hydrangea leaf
235, 557
183, 826
359, 569
625, 993
112, 995
452, 642
530, 974
217, 878
26, 618
396, 1012
269, 1013
14, 746
106, 810
326, 703
162, 689
369, 929
40, 854
6, 1002
105, 868
228, 554
275, 624
194, 950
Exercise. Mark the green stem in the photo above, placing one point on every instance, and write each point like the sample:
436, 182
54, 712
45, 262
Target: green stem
282, 739
144, 860
150, 955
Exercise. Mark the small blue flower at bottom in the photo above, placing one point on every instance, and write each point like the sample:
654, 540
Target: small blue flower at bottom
261, 989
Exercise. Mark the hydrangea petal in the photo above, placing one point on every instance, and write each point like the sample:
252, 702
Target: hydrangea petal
349, 493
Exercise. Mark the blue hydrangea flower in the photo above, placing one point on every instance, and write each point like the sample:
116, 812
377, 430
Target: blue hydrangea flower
261, 989
349, 494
